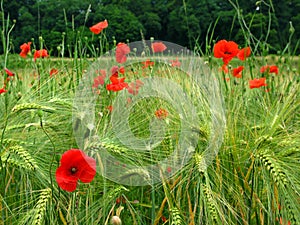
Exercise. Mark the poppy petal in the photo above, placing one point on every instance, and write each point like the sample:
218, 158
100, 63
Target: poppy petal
121, 51
64, 180
97, 28
158, 47
88, 172
257, 83
244, 53
237, 72
72, 155
9, 73
2, 90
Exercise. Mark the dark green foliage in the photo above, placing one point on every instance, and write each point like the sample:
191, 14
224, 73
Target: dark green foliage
185, 22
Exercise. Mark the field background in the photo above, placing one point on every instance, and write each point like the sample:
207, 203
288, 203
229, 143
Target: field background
255, 177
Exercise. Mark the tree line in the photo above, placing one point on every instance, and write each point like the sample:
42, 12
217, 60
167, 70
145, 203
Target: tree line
186, 22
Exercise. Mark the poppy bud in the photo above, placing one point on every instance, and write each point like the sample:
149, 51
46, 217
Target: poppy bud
292, 29
115, 220
40, 113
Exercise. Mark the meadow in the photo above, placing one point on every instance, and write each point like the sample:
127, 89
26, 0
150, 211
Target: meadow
149, 132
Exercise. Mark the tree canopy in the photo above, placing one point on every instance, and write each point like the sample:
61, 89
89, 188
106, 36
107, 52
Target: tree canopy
186, 22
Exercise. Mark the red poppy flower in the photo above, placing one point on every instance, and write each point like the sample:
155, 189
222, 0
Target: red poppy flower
99, 80
133, 87
257, 83
40, 54
9, 73
264, 69
169, 169
161, 113
269, 69
226, 50
283, 222
75, 165
122, 70
175, 63
147, 63
2, 90
273, 69
237, 72
117, 84
244, 53
97, 28
158, 47
110, 108
121, 51
25, 49
53, 72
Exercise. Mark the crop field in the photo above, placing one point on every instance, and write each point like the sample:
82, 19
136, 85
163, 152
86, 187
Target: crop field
148, 132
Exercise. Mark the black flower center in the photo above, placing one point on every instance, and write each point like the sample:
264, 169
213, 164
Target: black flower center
73, 170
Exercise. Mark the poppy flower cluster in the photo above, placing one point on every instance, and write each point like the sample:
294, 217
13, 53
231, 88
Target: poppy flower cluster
161, 113
147, 64
75, 165
261, 82
40, 54
269, 69
175, 63
133, 87
25, 50
227, 50
9, 74
280, 219
117, 83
